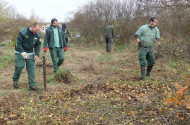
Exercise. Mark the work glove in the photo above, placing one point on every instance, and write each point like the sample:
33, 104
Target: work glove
45, 49
65, 49
140, 44
25, 55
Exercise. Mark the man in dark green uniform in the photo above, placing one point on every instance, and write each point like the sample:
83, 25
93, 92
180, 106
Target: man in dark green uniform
109, 35
28, 39
55, 40
66, 32
145, 36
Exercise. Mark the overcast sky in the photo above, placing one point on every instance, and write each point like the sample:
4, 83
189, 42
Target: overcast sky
47, 9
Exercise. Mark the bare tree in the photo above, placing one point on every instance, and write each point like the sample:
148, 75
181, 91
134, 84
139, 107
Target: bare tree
128, 16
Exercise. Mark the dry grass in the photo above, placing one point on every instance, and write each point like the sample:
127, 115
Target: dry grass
100, 88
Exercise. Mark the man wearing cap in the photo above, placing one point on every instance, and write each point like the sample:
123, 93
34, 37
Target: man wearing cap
55, 41
145, 36
28, 39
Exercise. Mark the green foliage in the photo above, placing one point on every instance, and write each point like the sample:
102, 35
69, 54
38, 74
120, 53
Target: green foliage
65, 76
121, 47
6, 57
50, 78
115, 69
7, 43
6, 60
172, 64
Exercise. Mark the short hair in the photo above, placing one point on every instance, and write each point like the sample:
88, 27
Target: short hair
53, 20
35, 24
152, 19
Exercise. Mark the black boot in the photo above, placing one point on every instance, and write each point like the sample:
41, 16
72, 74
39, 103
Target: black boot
15, 85
33, 88
143, 73
149, 68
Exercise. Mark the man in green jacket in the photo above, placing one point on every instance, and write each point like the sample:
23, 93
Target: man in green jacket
66, 32
27, 40
145, 36
55, 41
109, 35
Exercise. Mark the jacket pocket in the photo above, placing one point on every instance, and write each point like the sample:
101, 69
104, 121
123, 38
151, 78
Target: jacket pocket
35, 41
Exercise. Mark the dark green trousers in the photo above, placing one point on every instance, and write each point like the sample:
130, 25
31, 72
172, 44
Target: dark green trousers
146, 55
57, 56
108, 44
30, 67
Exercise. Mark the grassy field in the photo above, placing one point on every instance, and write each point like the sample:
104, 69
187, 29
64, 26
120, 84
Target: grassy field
96, 88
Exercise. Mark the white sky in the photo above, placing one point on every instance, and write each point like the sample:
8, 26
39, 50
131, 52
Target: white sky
47, 9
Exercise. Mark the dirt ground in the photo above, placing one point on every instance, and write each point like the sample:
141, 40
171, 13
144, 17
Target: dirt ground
89, 67
110, 80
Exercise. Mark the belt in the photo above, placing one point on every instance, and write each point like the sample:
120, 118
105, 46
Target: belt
150, 47
18, 53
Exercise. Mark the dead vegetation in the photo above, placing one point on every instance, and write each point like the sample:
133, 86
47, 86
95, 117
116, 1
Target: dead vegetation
90, 68
102, 90
94, 87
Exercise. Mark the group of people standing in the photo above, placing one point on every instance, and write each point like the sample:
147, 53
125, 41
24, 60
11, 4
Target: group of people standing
27, 47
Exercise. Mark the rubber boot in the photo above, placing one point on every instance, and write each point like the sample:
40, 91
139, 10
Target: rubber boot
15, 85
149, 68
33, 88
143, 77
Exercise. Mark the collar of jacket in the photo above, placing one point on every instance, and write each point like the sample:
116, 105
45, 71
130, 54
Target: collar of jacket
28, 30
150, 26
51, 27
